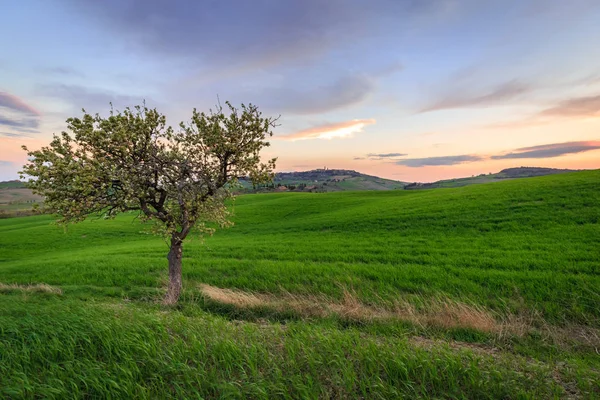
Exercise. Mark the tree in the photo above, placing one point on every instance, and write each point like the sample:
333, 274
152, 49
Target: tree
133, 161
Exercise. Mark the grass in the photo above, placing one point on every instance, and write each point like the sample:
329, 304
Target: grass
144, 352
12, 185
488, 291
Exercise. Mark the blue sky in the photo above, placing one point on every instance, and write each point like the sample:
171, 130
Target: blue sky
409, 90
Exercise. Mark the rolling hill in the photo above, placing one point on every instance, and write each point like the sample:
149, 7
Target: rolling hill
16, 199
509, 173
326, 180
482, 292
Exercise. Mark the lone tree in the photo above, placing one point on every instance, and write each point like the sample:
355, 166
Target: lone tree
132, 160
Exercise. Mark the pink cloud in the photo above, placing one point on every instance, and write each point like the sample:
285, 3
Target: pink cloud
577, 107
14, 103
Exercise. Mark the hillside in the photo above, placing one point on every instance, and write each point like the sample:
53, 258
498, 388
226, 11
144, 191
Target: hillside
485, 291
327, 180
15, 184
16, 199
509, 173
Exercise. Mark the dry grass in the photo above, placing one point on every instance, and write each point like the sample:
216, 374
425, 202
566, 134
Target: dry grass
434, 312
232, 297
38, 287
447, 313
439, 312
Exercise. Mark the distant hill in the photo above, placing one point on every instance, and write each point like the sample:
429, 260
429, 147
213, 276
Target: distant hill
528, 172
325, 180
15, 198
509, 173
16, 184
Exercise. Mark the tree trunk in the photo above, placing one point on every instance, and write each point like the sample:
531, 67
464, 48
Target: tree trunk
175, 279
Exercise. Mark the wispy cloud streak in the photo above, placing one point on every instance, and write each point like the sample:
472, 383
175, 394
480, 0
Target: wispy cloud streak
439, 161
22, 125
88, 98
13, 135
549, 150
385, 155
330, 131
346, 91
577, 107
502, 93
14, 103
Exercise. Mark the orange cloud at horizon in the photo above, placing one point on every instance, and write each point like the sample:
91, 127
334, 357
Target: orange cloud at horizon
330, 131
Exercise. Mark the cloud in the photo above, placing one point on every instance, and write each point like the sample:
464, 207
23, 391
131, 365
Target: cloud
385, 155
344, 92
235, 33
542, 151
381, 156
438, 161
13, 135
330, 131
5, 163
550, 150
577, 107
21, 125
89, 98
506, 91
61, 71
14, 103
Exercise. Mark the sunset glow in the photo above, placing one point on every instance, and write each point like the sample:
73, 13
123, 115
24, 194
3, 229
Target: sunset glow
421, 92
330, 131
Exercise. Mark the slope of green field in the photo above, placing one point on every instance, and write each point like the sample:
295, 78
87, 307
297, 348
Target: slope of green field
488, 291
508, 173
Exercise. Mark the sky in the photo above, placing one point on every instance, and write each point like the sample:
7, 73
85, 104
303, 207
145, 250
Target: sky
411, 90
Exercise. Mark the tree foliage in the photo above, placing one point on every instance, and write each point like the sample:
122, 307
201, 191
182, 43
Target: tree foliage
132, 160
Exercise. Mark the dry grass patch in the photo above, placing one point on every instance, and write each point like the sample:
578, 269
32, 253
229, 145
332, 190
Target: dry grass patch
38, 287
447, 313
434, 312
233, 297
439, 312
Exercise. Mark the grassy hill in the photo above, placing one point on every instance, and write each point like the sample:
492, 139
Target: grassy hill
508, 173
485, 291
16, 199
327, 180
16, 184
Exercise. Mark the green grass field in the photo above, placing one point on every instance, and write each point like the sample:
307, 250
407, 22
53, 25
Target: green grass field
489, 291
